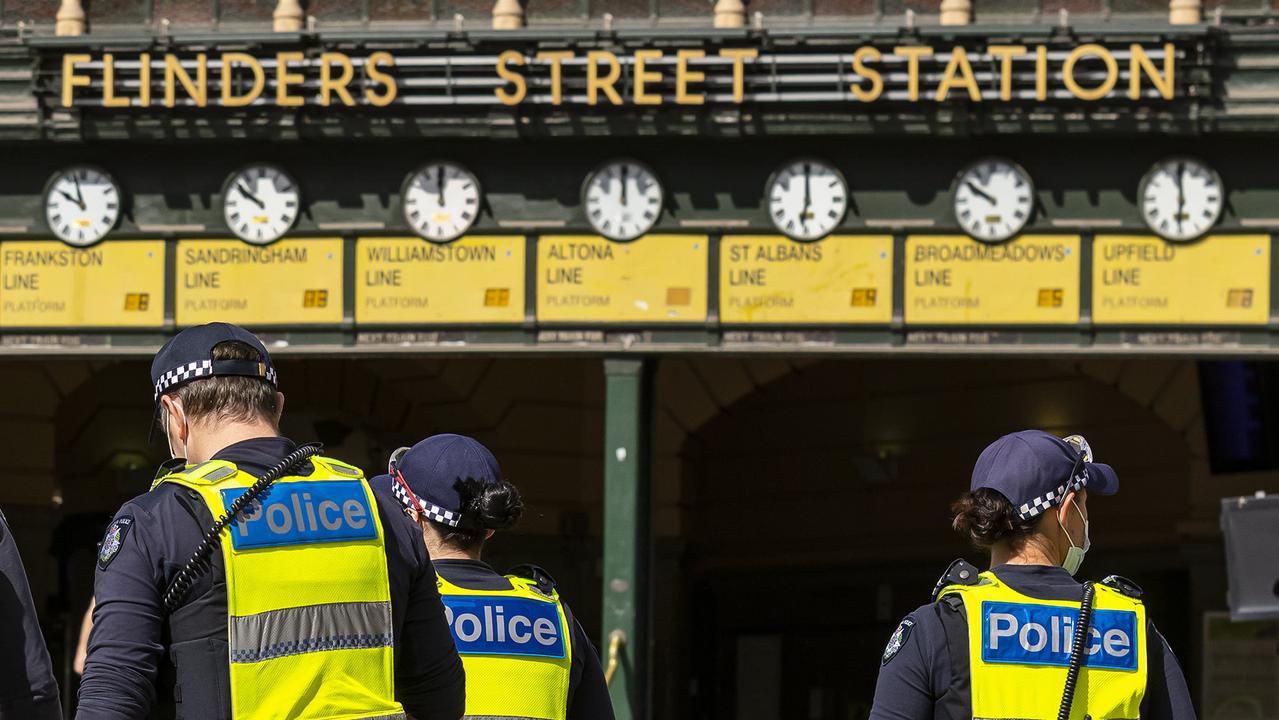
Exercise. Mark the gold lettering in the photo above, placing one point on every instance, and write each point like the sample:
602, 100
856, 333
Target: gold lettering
1005, 54
864, 53
1068, 72
643, 75
912, 53
71, 81
173, 71
595, 83
144, 80
684, 76
556, 58
387, 96
284, 78
108, 84
514, 78
1141, 63
328, 84
958, 65
229, 61
1041, 73
739, 57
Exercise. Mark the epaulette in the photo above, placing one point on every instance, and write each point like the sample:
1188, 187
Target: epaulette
539, 576
1123, 585
960, 572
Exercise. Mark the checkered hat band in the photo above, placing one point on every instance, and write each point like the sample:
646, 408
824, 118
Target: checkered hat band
432, 512
1036, 507
209, 368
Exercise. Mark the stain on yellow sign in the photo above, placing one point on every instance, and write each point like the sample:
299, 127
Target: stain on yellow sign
955, 280
656, 279
773, 279
114, 284
1220, 280
409, 280
290, 282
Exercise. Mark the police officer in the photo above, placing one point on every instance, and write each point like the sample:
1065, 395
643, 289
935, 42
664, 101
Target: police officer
316, 600
998, 644
27, 688
526, 656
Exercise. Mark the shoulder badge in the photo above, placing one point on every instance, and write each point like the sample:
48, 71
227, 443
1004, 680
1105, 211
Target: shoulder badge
1123, 585
112, 541
960, 572
897, 640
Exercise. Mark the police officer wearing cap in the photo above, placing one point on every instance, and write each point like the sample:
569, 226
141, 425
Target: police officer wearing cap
1002, 643
526, 656
267, 580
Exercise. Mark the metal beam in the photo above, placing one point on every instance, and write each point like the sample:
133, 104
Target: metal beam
628, 539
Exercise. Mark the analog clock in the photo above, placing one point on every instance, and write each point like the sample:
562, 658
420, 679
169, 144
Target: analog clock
441, 201
1181, 198
260, 203
623, 199
994, 199
807, 199
81, 204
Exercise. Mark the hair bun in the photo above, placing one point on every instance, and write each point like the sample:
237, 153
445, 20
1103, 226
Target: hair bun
492, 507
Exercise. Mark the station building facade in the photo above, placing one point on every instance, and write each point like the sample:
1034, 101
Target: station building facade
735, 293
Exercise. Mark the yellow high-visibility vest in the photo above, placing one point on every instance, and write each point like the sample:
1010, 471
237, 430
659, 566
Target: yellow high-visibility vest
1019, 651
516, 648
308, 597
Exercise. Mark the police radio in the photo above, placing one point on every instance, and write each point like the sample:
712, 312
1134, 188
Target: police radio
200, 562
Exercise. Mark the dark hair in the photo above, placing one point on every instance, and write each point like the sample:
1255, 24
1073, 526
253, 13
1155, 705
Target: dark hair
485, 507
986, 517
229, 398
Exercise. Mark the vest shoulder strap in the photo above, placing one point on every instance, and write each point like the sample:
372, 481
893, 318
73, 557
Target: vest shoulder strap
541, 579
1124, 586
960, 573
337, 467
204, 474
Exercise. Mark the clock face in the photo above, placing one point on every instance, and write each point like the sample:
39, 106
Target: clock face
1181, 198
260, 203
994, 199
807, 199
81, 205
441, 201
623, 199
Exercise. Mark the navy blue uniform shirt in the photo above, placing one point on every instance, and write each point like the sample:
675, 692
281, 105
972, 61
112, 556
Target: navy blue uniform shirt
919, 674
131, 632
27, 688
587, 694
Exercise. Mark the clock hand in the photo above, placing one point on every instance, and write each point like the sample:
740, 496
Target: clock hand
979, 192
808, 193
439, 184
244, 190
624, 173
1181, 192
78, 194
67, 195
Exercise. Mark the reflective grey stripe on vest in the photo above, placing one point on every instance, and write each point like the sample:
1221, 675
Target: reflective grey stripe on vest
393, 716
312, 628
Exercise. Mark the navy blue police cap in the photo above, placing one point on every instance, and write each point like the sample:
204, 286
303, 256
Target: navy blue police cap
429, 474
188, 356
1035, 470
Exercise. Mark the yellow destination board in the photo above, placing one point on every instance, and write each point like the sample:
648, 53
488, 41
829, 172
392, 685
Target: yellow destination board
656, 279
113, 284
773, 279
290, 282
1220, 280
955, 280
476, 279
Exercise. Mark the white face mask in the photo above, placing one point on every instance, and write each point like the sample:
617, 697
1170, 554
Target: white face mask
173, 452
1075, 555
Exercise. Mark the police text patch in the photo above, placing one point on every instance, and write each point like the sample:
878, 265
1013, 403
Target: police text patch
112, 541
504, 625
897, 640
1033, 634
299, 513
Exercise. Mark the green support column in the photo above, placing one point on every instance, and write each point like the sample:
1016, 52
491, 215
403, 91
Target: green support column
628, 538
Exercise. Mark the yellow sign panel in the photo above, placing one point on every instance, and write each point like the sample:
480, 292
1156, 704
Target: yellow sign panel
658, 278
955, 280
1221, 280
410, 280
290, 282
112, 284
773, 279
